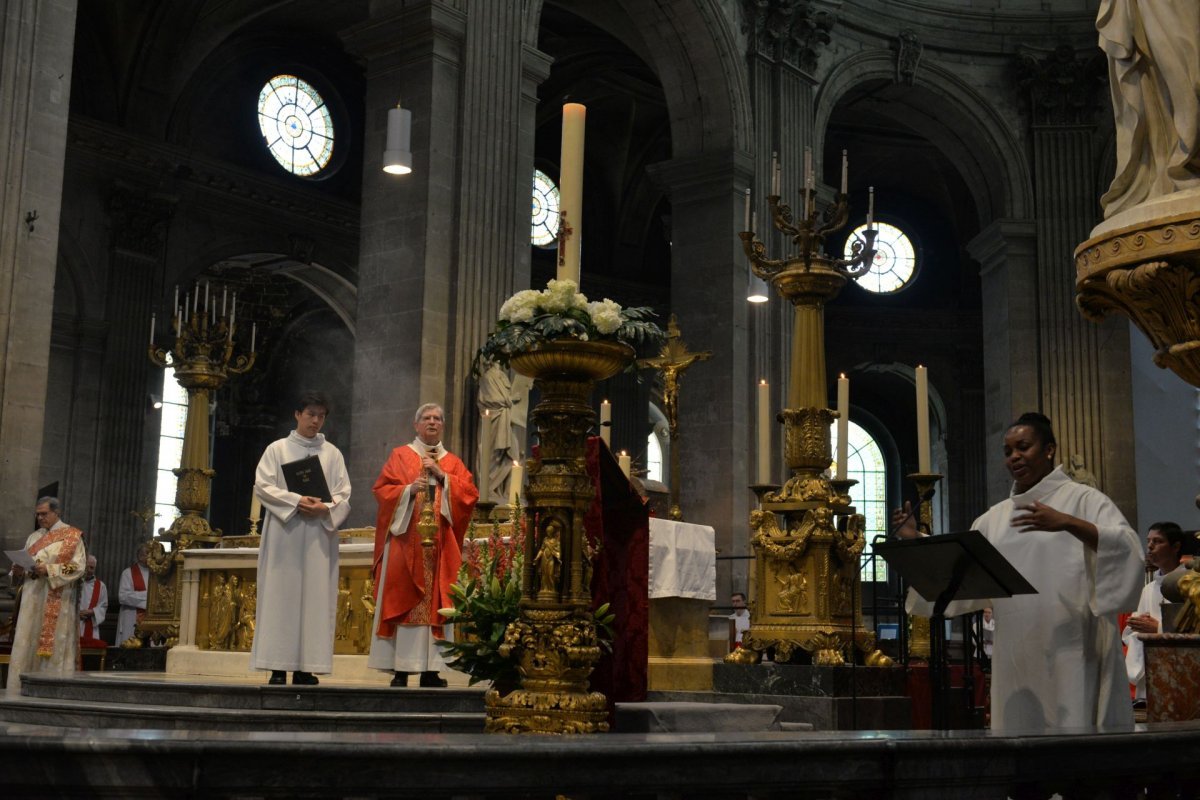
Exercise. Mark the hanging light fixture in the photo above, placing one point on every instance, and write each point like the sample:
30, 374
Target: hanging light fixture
756, 289
397, 158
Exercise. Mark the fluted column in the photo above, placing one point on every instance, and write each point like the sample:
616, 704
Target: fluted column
37, 40
138, 222
1084, 371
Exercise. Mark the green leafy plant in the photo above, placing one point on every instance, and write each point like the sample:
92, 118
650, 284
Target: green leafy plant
484, 601
560, 311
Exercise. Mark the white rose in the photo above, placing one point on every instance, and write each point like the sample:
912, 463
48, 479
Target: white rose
606, 315
521, 306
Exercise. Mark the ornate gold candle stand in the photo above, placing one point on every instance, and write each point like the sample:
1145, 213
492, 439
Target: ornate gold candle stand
918, 638
806, 603
554, 640
203, 359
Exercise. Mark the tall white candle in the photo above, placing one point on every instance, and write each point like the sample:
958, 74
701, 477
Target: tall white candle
152, 329
843, 426
233, 315
626, 463
486, 446
516, 478
224, 301
870, 206
764, 433
255, 505
746, 213
177, 300
775, 174
253, 335
808, 168
606, 422
570, 189
845, 172
923, 462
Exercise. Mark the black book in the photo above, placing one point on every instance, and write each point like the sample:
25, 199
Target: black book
306, 477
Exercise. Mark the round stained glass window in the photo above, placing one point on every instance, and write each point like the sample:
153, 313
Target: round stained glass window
544, 232
296, 125
895, 259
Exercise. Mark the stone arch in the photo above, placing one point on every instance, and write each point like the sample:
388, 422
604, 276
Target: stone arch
972, 132
699, 61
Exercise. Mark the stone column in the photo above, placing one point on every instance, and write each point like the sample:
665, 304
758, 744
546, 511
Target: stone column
1007, 254
708, 298
441, 247
38, 39
138, 222
1084, 372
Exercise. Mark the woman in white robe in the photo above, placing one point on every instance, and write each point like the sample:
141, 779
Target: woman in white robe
1057, 661
298, 556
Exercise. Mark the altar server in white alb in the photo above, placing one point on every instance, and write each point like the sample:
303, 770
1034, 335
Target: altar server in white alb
1057, 661
131, 592
298, 556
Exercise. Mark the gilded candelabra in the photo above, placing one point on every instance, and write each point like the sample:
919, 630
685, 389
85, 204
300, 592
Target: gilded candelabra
202, 355
805, 536
554, 640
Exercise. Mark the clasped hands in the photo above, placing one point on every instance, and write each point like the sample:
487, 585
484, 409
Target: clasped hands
312, 507
1142, 623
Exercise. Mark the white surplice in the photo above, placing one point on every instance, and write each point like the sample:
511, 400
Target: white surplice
297, 561
132, 601
1057, 661
1135, 655
34, 594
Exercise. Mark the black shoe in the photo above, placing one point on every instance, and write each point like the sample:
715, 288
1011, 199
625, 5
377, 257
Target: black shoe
431, 680
278, 677
400, 679
304, 679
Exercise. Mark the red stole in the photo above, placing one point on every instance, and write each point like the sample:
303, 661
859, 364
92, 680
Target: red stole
69, 537
418, 578
89, 626
139, 582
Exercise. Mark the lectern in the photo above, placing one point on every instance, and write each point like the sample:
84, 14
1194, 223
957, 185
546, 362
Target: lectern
952, 566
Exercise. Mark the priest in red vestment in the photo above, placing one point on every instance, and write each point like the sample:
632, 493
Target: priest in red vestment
413, 581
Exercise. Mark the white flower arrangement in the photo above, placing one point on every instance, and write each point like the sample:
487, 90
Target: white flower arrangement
561, 311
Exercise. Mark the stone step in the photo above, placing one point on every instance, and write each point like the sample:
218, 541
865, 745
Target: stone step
76, 713
140, 689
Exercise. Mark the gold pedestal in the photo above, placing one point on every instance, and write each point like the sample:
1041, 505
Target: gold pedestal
678, 646
554, 641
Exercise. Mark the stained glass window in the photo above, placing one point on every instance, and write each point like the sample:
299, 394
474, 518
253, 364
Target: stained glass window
895, 259
654, 458
296, 125
545, 211
170, 449
865, 464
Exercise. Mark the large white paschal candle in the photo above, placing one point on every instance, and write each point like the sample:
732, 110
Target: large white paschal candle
570, 191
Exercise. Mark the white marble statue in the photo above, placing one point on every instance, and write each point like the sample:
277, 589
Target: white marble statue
1153, 49
505, 400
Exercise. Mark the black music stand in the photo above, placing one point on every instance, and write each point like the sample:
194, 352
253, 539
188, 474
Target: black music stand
952, 566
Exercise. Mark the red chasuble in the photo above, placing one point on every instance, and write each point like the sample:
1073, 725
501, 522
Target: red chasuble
418, 578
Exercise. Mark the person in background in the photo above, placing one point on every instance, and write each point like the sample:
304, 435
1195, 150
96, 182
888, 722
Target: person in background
1164, 547
739, 620
93, 607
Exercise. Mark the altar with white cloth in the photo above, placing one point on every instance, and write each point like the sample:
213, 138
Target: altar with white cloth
682, 587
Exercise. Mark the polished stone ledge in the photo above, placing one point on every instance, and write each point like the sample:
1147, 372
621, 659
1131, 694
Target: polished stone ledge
42, 761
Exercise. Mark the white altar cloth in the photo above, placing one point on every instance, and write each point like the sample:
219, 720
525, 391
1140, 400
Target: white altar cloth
683, 560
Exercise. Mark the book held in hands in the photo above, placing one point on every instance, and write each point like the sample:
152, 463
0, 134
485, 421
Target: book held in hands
305, 477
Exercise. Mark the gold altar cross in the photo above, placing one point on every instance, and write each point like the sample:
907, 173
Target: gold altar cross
671, 362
